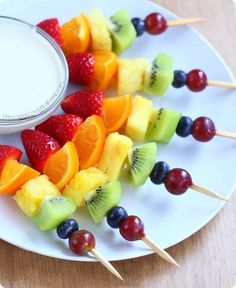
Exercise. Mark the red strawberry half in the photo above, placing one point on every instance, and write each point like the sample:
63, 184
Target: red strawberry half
83, 103
8, 152
52, 27
61, 127
81, 67
39, 147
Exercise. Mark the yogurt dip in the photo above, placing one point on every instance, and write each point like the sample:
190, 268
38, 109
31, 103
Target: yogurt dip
33, 75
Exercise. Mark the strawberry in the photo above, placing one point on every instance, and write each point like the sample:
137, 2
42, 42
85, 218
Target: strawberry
83, 103
81, 67
52, 27
39, 147
8, 152
61, 127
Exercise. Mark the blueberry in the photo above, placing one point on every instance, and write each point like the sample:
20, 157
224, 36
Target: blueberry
115, 216
180, 79
184, 127
159, 172
139, 26
67, 228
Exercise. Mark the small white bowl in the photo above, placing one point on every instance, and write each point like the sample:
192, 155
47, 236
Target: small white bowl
33, 75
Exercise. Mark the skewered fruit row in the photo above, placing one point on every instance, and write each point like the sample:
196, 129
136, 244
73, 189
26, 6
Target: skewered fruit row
43, 203
101, 70
134, 117
110, 162
41, 200
41, 149
116, 34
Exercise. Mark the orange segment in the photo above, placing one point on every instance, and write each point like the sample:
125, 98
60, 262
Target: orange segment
75, 35
14, 175
104, 69
116, 111
62, 166
89, 141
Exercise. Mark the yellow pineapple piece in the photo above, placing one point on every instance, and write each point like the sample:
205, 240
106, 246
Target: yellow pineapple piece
130, 75
114, 155
100, 36
33, 192
139, 119
83, 182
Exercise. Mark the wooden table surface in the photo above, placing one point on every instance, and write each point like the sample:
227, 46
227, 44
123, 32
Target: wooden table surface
207, 258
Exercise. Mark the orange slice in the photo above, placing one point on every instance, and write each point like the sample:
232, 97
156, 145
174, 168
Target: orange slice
75, 35
62, 166
116, 111
14, 175
89, 141
104, 69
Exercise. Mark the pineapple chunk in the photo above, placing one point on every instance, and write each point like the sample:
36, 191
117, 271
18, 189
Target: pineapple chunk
83, 182
114, 155
31, 195
100, 35
139, 119
130, 75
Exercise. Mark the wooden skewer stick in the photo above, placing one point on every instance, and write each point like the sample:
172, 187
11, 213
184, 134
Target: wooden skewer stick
159, 250
105, 263
226, 134
208, 192
221, 84
181, 22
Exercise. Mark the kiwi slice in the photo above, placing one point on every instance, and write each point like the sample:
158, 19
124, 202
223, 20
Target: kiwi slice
122, 31
53, 211
163, 126
141, 161
159, 75
103, 199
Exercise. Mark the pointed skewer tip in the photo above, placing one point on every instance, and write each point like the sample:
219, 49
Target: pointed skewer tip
161, 252
208, 192
105, 263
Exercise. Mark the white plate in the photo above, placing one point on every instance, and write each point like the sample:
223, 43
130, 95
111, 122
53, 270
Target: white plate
168, 219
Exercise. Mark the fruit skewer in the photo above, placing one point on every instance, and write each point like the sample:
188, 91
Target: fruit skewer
135, 229
100, 203
131, 227
69, 38
141, 165
137, 117
103, 202
117, 33
110, 191
160, 125
55, 209
177, 182
99, 70
34, 149
37, 143
41, 200
82, 242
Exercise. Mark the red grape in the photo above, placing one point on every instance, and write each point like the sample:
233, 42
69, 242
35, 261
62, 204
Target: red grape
155, 23
178, 181
132, 228
81, 242
203, 129
197, 80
